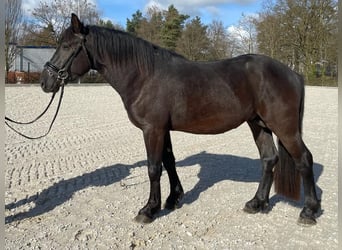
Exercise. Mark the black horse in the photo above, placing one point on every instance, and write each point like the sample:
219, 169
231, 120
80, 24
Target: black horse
163, 91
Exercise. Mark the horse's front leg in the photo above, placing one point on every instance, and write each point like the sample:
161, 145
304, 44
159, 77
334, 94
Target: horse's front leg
154, 141
169, 163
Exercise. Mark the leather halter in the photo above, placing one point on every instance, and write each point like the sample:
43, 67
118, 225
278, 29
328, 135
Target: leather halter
62, 73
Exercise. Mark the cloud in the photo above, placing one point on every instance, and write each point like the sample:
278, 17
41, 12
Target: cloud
210, 9
29, 5
237, 32
194, 5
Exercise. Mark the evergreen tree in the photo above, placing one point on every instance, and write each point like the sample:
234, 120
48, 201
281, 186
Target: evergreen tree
172, 28
132, 25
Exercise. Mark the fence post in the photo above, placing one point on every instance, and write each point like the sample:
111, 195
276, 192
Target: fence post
28, 72
21, 66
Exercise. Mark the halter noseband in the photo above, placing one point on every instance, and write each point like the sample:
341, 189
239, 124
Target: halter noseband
62, 73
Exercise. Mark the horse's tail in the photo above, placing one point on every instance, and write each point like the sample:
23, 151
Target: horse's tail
287, 178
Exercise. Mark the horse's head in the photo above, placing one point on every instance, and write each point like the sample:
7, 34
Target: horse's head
70, 60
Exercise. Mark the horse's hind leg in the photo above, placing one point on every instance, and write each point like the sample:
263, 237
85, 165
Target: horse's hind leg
269, 158
303, 162
176, 190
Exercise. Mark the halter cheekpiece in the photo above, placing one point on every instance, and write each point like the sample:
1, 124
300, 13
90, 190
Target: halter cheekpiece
62, 73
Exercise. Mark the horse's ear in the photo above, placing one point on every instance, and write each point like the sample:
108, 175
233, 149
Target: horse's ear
76, 24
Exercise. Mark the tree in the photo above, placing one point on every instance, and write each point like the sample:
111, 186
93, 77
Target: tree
44, 36
163, 28
109, 24
150, 26
54, 17
194, 42
248, 33
300, 33
219, 47
172, 27
269, 35
244, 36
132, 25
13, 20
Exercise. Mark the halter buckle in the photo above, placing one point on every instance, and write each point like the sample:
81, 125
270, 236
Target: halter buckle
62, 74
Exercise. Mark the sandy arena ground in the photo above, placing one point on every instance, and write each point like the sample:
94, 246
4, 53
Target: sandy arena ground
81, 186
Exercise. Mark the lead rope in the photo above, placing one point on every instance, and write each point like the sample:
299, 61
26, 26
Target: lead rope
53, 120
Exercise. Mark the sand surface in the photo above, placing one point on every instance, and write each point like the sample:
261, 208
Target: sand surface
81, 186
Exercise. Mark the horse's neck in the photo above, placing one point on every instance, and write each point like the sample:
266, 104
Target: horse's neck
116, 75
126, 80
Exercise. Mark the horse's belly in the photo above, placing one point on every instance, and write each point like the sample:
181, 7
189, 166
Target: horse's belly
207, 125
210, 111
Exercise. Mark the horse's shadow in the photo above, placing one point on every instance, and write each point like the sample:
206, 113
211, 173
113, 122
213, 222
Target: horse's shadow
63, 190
214, 168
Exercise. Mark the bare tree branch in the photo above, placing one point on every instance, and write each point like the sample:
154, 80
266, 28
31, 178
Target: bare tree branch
12, 25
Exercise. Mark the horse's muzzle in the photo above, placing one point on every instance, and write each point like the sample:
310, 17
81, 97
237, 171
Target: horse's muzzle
49, 82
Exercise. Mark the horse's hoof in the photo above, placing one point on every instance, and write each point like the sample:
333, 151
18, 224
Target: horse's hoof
174, 203
252, 207
251, 210
306, 222
143, 219
170, 206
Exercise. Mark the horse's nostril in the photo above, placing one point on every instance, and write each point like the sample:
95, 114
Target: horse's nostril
43, 85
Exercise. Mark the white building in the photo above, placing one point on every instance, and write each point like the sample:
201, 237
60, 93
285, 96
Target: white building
32, 58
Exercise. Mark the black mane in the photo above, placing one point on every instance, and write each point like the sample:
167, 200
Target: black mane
125, 48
